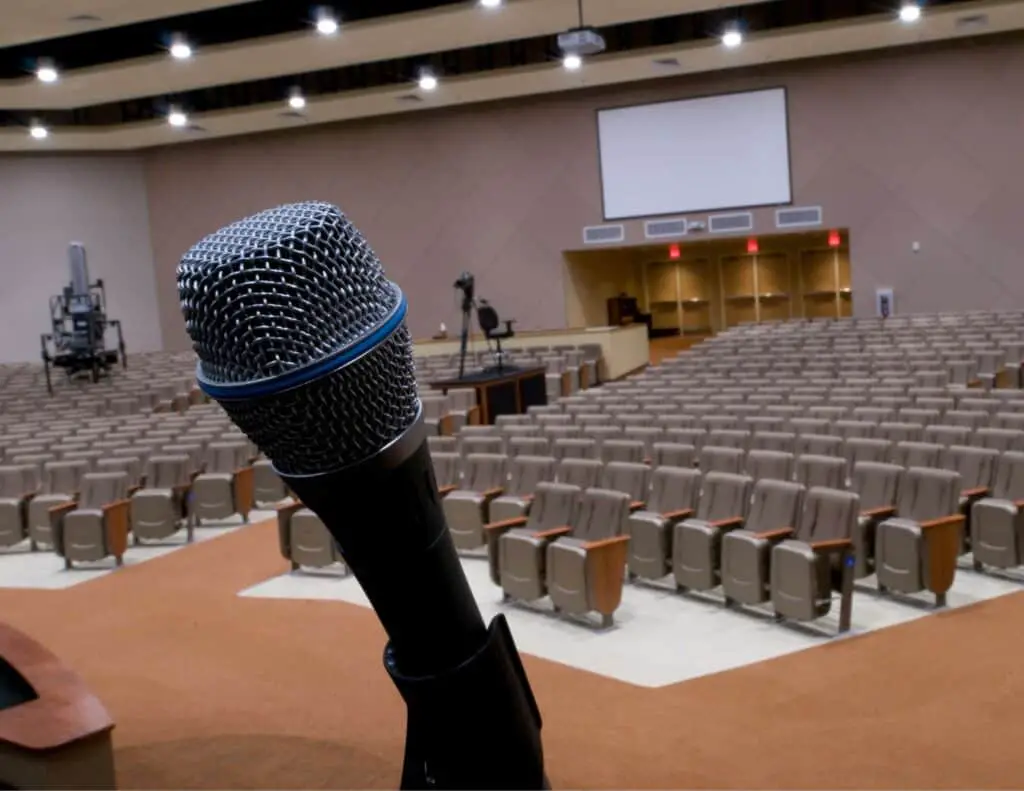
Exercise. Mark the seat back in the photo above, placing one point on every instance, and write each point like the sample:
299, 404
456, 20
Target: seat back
718, 459
529, 471
917, 454
977, 466
129, 465
483, 471
602, 514
627, 450
480, 443
631, 478
1009, 477
527, 445
554, 505
1001, 439
18, 479
101, 488
64, 477
724, 495
813, 470
226, 457
575, 448
828, 514
583, 473
928, 494
858, 449
876, 483
819, 445
673, 454
773, 464
848, 429
775, 504
729, 438
781, 441
943, 434
446, 468
674, 488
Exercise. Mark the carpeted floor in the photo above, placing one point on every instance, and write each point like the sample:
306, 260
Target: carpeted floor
211, 690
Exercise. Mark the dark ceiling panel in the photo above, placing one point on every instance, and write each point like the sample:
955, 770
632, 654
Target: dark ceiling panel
225, 25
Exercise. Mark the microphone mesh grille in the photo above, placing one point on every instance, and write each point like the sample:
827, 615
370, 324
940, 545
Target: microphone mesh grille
284, 289
280, 290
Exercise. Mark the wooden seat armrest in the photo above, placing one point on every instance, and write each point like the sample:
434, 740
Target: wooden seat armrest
725, 524
473, 415
106, 508
63, 508
446, 425
554, 532
942, 521
244, 488
286, 510
977, 491
443, 490
527, 498
134, 488
831, 545
677, 515
1018, 503
776, 534
506, 524
637, 505
181, 489
27, 496
490, 494
590, 546
882, 512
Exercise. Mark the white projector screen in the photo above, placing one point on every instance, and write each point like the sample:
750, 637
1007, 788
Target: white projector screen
717, 152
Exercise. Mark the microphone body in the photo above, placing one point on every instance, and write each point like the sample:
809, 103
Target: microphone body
303, 342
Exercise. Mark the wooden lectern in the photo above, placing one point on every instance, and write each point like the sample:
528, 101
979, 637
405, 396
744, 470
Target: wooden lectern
54, 733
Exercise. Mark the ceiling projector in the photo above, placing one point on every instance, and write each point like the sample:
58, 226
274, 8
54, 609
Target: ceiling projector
581, 41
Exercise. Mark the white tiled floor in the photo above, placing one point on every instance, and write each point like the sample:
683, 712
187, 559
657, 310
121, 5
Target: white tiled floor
659, 637
44, 570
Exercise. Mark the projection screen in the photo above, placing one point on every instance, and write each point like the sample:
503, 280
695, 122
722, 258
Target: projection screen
716, 152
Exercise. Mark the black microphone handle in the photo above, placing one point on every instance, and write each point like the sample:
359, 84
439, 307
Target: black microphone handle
385, 514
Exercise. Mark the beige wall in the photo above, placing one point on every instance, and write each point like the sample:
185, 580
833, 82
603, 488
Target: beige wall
45, 204
900, 147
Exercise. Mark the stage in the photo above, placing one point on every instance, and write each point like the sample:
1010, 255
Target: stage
508, 392
623, 349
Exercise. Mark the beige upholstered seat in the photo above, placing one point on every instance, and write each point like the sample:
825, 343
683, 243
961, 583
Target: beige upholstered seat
675, 492
774, 464
696, 542
305, 541
467, 508
877, 484
62, 483
159, 509
267, 486
584, 569
525, 474
226, 486
447, 471
96, 526
745, 554
18, 485
917, 549
997, 523
817, 559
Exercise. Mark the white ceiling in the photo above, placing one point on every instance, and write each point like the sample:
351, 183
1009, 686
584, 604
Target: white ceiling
440, 30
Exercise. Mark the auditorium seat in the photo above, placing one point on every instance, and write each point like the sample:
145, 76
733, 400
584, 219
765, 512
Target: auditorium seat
96, 526
746, 548
673, 454
268, 488
585, 564
18, 485
62, 483
806, 567
304, 540
916, 454
467, 508
917, 549
720, 459
447, 471
674, 495
159, 509
583, 473
526, 472
632, 478
724, 504
225, 487
996, 523
771, 464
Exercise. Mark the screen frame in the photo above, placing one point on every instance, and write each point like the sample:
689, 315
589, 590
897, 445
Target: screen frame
706, 209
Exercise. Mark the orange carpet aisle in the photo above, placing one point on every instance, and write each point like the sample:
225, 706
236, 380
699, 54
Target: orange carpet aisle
210, 690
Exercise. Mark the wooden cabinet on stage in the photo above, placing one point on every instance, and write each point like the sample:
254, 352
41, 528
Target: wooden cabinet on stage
679, 296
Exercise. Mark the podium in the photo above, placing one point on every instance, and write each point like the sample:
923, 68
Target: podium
508, 392
623, 310
54, 733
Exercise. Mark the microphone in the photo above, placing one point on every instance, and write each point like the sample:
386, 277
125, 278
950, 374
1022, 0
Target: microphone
302, 340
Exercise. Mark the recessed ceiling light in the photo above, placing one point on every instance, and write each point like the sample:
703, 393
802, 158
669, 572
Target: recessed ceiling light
490, 3
910, 12
732, 38
326, 21
428, 82
295, 99
177, 118
572, 62
39, 132
46, 71
180, 48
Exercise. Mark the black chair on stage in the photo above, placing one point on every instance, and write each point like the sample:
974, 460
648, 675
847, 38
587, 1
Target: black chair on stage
487, 317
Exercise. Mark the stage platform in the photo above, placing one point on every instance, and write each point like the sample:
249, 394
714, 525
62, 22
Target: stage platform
508, 392
624, 349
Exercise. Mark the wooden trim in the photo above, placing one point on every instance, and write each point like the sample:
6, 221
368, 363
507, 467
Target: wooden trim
116, 526
607, 561
942, 544
243, 490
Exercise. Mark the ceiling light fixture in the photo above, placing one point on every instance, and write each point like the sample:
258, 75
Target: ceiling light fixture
180, 48
572, 62
295, 99
326, 22
910, 12
490, 3
732, 38
38, 131
177, 119
46, 71
428, 82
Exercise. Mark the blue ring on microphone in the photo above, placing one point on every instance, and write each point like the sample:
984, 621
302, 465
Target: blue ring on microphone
301, 376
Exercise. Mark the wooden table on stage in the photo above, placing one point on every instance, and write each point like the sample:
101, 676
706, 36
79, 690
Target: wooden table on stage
508, 392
